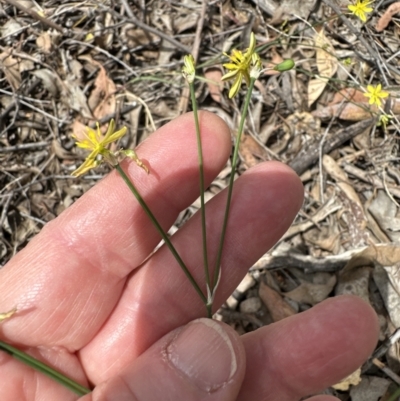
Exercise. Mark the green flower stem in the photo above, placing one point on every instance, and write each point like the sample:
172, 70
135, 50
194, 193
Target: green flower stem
231, 179
201, 174
43, 368
160, 230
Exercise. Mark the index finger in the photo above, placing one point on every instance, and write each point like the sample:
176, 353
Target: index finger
68, 279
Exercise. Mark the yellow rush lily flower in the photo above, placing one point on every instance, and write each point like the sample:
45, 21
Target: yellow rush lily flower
240, 65
375, 94
360, 9
97, 144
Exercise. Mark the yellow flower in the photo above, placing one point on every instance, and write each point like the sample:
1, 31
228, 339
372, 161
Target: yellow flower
375, 94
189, 69
360, 9
97, 144
240, 66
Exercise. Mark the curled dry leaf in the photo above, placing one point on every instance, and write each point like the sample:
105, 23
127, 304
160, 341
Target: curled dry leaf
383, 22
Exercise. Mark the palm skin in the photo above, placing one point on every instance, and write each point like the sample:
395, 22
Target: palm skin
93, 305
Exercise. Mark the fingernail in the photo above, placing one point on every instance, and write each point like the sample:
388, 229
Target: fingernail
204, 353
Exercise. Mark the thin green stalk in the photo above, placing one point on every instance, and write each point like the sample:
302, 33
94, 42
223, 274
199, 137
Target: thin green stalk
43, 368
201, 175
231, 179
160, 230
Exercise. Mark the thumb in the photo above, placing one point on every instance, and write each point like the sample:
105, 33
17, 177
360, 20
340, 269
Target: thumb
204, 360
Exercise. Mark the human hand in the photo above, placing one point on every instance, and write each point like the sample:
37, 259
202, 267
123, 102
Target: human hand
90, 307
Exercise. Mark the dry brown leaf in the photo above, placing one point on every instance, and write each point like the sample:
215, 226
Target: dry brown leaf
75, 98
251, 151
315, 88
44, 43
133, 37
102, 99
388, 293
385, 255
348, 112
351, 105
277, 306
287, 8
10, 28
185, 21
355, 282
336, 172
214, 83
353, 112
348, 95
383, 22
310, 293
50, 80
79, 130
107, 38
11, 68
324, 237
326, 64
59, 151
384, 211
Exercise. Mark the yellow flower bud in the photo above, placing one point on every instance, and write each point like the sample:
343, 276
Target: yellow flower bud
189, 69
